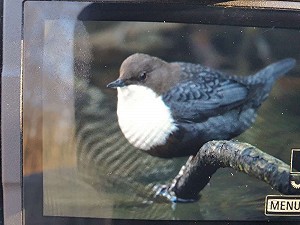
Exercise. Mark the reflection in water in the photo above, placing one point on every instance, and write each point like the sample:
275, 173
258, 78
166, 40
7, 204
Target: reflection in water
116, 180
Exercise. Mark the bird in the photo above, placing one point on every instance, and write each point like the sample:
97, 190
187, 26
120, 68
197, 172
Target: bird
171, 109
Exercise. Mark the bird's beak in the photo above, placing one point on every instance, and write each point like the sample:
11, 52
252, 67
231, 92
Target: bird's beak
116, 83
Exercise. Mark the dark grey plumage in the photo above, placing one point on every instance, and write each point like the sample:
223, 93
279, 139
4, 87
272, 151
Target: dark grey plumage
211, 105
206, 104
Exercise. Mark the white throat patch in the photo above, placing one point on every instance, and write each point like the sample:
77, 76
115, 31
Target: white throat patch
143, 117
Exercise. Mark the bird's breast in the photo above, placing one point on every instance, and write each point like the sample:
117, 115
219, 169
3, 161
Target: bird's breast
143, 117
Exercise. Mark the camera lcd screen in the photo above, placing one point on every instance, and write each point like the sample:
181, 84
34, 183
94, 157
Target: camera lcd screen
77, 162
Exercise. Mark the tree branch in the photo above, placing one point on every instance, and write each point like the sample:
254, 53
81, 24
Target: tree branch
243, 157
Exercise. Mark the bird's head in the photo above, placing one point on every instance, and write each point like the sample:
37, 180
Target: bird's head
149, 71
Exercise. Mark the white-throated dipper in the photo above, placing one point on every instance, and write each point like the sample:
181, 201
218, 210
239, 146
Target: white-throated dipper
172, 109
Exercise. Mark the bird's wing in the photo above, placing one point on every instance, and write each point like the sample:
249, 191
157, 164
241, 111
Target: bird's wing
198, 99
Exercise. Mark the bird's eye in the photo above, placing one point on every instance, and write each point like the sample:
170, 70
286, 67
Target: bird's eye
143, 76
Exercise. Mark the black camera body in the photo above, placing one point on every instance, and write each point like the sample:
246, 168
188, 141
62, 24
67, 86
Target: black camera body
65, 159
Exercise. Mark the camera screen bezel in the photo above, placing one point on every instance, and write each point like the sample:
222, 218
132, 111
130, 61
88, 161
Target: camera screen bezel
208, 12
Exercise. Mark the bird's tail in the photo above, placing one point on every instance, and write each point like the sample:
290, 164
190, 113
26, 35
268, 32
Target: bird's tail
272, 72
267, 76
